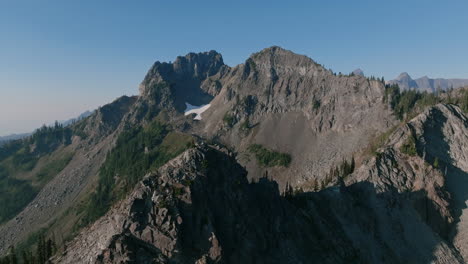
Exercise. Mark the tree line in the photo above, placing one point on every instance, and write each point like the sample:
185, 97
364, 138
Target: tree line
45, 249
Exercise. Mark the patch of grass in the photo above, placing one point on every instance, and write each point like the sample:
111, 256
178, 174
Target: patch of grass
14, 196
54, 167
176, 142
178, 191
378, 141
32, 239
409, 147
269, 158
229, 119
24, 160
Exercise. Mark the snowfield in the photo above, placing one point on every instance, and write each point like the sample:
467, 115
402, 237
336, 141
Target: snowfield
193, 109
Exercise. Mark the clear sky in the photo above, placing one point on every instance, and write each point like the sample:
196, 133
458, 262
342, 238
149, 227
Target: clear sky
59, 58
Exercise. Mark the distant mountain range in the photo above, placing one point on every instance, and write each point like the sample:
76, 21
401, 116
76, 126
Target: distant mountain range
82, 116
11, 137
427, 84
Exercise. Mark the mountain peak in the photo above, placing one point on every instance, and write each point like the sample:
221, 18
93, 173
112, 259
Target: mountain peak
403, 75
199, 64
273, 51
275, 56
359, 72
193, 66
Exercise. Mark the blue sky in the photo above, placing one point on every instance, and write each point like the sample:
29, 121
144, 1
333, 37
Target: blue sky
59, 58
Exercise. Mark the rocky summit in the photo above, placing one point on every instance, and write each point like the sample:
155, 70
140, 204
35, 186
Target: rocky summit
275, 160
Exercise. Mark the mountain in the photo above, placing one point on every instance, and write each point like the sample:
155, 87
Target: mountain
405, 82
218, 216
76, 119
358, 72
276, 90
275, 160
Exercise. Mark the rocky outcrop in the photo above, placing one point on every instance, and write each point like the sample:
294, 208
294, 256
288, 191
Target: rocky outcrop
398, 207
443, 142
436, 172
200, 208
188, 79
317, 117
291, 104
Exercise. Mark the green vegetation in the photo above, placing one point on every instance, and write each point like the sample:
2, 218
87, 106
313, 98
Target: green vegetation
252, 64
409, 147
373, 78
21, 156
269, 158
54, 167
14, 196
408, 102
47, 139
79, 129
464, 101
229, 119
24, 160
461, 100
379, 141
45, 249
25, 153
248, 104
436, 163
137, 151
341, 171
245, 126
316, 104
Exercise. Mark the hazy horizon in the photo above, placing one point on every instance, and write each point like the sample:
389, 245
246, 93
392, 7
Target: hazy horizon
60, 59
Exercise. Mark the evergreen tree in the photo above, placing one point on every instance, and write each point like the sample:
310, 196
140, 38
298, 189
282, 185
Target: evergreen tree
27, 257
13, 257
41, 250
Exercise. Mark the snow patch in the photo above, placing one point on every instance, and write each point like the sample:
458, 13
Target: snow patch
193, 109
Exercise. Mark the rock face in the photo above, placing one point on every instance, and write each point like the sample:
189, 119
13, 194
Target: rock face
171, 85
200, 208
427, 84
317, 117
291, 104
444, 141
